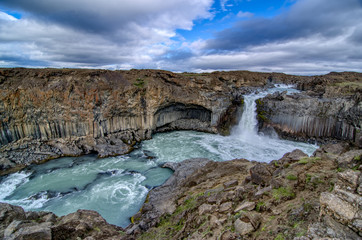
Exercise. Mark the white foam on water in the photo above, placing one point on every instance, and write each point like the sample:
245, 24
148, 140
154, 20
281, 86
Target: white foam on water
11, 182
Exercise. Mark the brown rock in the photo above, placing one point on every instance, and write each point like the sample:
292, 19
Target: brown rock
206, 208
348, 159
225, 207
231, 183
260, 174
245, 206
341, 210
293, 156
242, 227
349, 180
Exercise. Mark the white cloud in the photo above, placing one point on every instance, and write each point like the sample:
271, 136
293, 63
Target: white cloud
309, 55
6, 17
242, 14
223, 4
94, 33
313, 37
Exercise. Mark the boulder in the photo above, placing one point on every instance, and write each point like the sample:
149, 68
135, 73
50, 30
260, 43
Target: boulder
328, 228
335, 206
225, 207
247, 223
293, 156
231, 183
245, 206
242, 227
348, 180
260, 174
9, 213
349, 159
28, 230
206, 208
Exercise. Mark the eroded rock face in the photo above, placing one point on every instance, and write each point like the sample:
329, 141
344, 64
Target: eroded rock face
304, 117
18, 224
296, 197
48, 113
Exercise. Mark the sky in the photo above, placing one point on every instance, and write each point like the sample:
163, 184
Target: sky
303, 37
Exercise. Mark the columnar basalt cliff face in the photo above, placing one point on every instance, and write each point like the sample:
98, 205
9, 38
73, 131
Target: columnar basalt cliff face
330, 109
47, 113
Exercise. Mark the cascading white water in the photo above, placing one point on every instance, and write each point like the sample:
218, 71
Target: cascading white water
247, 126
116, 187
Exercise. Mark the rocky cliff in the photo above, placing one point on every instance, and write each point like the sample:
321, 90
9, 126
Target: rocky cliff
48, 113
328, 109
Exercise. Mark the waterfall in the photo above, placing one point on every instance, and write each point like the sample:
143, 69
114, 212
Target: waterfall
247, 126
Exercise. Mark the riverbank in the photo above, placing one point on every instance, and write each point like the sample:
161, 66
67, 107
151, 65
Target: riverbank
297, 197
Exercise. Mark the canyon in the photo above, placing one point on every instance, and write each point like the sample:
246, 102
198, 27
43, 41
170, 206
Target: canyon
50, 113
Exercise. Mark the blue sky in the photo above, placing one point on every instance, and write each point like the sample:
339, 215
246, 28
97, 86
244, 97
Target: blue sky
292, 36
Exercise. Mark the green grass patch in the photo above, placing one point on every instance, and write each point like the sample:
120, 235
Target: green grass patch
306, 160
331, 186
283, 193
357, 158
350, 84
189, 203
140, 83
308, 178
292, 177
280, 236
259, 206
301, 233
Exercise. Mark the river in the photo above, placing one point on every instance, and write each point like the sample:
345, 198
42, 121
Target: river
116, 187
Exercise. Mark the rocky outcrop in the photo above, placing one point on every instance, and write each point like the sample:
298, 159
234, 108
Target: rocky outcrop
329, 109
291, 198
15, 223
296, 197
305, 117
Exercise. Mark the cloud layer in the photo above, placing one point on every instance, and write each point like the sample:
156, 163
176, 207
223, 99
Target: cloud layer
310, 37
313, 36
95, 33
